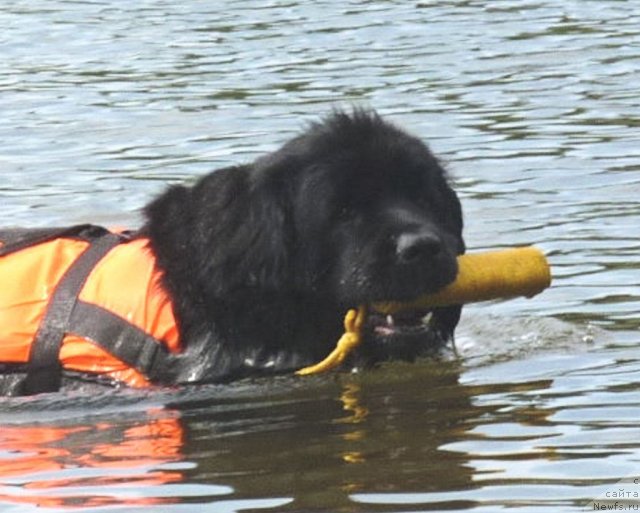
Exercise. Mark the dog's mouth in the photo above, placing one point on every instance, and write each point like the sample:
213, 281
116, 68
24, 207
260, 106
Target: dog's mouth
401, 336
409, 323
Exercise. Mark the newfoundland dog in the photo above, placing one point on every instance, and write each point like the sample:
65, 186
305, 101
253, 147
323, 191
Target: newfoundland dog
262, 261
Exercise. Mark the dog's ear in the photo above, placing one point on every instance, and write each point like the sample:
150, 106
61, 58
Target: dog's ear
241, 233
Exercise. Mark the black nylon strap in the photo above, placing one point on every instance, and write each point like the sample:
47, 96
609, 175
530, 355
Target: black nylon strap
44, 368
15, 239
123, 340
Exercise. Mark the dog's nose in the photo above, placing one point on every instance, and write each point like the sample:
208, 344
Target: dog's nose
413, 248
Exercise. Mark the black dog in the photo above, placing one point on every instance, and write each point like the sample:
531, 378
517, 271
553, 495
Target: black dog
262, 261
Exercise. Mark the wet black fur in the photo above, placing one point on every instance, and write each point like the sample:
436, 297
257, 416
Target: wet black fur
263, 260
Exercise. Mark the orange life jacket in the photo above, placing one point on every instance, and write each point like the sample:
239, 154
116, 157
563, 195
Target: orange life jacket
86, 300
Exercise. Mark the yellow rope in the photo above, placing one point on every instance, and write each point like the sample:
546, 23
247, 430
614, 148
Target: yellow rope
353, 322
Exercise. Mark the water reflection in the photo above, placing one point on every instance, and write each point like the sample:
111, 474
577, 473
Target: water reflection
430, 435
135, 461
92, 464
320, 445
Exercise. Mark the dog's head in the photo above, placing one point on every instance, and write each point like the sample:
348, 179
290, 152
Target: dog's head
353, 211
369, 216
376, 220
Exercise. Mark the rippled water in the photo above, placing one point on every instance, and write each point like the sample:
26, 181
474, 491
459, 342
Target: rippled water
533, 105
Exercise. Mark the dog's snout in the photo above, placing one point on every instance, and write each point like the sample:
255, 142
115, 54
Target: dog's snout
417, 247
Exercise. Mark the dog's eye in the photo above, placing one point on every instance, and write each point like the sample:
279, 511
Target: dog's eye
345, 213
